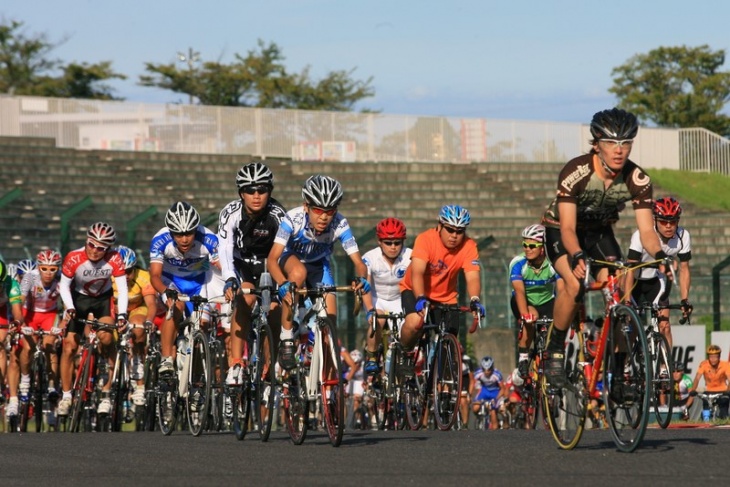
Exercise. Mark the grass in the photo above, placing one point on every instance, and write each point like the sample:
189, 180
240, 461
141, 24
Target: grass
709, 191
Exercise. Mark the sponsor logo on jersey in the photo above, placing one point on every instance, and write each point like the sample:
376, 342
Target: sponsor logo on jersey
572, 178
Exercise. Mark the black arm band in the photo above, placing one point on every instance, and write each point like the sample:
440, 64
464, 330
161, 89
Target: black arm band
661, 255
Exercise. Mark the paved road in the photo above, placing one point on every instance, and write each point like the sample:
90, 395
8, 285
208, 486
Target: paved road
429, 458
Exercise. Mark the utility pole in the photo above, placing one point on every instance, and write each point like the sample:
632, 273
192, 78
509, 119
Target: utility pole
190, 59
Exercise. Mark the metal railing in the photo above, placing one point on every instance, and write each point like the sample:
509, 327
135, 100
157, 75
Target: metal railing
702, 150
318, 135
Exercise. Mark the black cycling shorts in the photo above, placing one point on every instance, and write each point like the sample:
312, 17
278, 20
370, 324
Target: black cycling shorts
100, 306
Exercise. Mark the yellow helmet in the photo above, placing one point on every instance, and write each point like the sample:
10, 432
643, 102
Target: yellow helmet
713, 349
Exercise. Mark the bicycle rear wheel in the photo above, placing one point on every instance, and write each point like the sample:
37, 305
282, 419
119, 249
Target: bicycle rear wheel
265, 380
446, 382
662, 380
199, 385
295, 404
414, 391
331, 387
241, 407
395, 403
626, 393
120, 394
565, 408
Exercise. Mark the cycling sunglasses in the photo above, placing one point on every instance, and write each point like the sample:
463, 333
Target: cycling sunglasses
260, 189
458, 231
48, 269
531, 245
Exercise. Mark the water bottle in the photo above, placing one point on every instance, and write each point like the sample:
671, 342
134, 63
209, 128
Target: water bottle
266, 283
387, 360
706, 415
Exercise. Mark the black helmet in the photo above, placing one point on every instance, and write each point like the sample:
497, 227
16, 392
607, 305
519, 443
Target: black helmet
614, 124
679, 366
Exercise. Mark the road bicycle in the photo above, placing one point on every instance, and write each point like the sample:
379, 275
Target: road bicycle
253, 401
620, 358
86, 391
662, 398
387, 388
531, 390
437, 377
146, 416
711, 400
316, 380
37, 401
187, 391
218, 418
121, 381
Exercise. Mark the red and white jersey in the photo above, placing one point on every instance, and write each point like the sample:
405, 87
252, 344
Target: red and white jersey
37, 297
93, 278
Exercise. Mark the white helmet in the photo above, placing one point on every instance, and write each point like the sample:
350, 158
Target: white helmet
517, 379
534, 232
322, 191
182, 218
356, 356
254, 174
102, 233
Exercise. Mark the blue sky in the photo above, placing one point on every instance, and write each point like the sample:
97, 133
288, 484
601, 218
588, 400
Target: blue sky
548, 60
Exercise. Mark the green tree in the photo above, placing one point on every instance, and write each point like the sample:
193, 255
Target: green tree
676, 87
259, 79
26, 68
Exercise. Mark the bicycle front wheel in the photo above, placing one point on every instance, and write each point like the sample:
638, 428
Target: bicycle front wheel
80, 394
146, 415
565, 407
331, 387
446, 382
415, 390
627, 391
38, 387
662, 379
199, 384
265, 380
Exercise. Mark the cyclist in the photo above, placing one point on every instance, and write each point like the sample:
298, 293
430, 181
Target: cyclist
511, 394
22, 268
682, 386
592, 190
246, 233
91, 269
716, 373
534, 282
467, 387
142, 308
675, 241
387, 264
438, 256
41, 305
182, 257
301, 254
489, 383
11, 307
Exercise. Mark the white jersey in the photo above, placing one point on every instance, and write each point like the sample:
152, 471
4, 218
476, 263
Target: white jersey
37, 297
299, 238
679, 246
384, 276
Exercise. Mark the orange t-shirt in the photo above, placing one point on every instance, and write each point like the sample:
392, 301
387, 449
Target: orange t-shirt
715, 379
442, 265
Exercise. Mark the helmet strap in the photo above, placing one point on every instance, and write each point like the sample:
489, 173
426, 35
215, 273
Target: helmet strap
611, 173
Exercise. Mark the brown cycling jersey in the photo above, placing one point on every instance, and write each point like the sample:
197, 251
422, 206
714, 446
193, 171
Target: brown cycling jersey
598, 206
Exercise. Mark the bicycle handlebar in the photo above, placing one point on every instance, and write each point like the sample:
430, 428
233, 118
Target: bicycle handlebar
389, 316
319, 291
196, 300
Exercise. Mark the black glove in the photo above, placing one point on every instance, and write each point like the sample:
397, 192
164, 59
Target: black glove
171, 294
686, 306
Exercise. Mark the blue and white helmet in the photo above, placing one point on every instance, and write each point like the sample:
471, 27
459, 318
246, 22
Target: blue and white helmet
455, 215
24, 266
129, 257
487, 363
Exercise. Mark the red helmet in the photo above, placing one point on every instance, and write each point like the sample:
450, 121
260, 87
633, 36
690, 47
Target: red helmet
390, 228
667, 208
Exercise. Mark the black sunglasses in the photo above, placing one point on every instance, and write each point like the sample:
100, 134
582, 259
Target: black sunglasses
260, 189
458, 231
